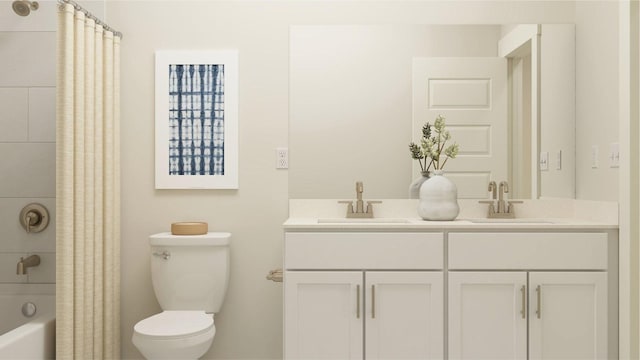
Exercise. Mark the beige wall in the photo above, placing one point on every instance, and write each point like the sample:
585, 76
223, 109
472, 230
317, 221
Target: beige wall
250, 323
596, 97
350, 107
557, 110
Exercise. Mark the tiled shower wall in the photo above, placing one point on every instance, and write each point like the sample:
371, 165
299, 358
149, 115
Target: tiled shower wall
27, 146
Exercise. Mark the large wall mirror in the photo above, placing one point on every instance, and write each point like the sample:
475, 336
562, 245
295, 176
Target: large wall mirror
360, 94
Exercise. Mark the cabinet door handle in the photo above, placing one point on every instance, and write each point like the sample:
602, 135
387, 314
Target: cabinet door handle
357, 301
539, 305
373, 301
523, 310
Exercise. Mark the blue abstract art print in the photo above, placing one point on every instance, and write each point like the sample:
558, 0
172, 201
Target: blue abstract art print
196, 120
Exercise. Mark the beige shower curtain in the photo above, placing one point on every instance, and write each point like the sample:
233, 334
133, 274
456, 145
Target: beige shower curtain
87, 189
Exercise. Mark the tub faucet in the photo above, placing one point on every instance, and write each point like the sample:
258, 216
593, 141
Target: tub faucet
24, 264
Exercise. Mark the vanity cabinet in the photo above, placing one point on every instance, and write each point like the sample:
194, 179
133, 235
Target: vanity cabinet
347, 314
559, 315
452, 294
485, 320
569, 319
363, 296
404, 318
555, 307
323, 315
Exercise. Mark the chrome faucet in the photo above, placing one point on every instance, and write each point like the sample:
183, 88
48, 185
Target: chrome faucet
359, 211
498, 208
24, 264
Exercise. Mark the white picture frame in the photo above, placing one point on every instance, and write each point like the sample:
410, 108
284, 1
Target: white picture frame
196, 119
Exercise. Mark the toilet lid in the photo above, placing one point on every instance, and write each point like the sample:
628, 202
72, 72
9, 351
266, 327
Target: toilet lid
175, 324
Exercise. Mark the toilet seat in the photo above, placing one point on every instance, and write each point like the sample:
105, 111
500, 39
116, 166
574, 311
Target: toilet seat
169, 325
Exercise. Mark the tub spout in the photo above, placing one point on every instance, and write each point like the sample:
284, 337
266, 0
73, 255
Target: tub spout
24, 264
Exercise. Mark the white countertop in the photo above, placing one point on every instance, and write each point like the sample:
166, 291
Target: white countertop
404, 224
401, 215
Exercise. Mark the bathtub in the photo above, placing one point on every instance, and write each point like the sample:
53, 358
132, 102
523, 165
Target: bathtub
23, 337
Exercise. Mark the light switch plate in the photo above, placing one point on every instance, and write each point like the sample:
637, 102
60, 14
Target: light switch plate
594, 156
559, 160
614, 155
544, 161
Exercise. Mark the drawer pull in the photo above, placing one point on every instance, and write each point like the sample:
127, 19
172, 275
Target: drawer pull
523, 310
373, 301
539, 305
357, 301
164, 255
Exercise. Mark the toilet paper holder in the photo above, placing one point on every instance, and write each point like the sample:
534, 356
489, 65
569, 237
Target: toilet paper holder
275, 275
164, 255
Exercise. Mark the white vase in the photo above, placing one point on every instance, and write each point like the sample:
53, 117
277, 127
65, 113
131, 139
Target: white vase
438, 198
414, 188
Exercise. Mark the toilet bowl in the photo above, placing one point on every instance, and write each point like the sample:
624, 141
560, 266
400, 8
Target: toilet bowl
174, 335
190, 276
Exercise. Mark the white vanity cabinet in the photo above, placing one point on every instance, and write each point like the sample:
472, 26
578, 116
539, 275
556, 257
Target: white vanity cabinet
555, 306
328, 312
456, 292
323, 315
485, 320
404, 315
568, 315
363, 296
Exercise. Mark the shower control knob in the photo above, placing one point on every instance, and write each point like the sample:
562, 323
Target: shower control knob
34, 218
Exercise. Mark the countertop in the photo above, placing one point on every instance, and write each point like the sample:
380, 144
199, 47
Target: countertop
413, 224
401, 215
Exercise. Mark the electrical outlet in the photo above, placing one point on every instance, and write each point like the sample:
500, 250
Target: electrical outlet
594, 156
544, 161
614, 155
282, 158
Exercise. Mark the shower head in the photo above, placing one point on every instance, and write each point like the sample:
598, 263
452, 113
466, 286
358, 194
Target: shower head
24, 7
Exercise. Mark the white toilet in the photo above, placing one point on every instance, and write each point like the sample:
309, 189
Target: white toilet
190, 276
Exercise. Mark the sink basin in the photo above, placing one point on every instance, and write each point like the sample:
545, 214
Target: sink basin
510, 221
363, 221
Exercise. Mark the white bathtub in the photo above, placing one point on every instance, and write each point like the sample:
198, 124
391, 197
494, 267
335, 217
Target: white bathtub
23, 337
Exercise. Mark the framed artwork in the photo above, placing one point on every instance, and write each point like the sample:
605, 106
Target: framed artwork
196, 119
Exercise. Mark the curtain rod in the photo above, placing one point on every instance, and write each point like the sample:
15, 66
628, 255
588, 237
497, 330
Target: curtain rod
88, 14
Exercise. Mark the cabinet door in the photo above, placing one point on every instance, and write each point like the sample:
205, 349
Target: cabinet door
568, 315
487, 315
404, 315
323, 315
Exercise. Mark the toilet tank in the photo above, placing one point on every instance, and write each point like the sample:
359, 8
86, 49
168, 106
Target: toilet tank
190, 272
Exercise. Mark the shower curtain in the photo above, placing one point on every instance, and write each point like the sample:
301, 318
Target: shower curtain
87, 189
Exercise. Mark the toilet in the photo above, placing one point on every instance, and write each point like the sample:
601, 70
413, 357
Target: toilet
190, 276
